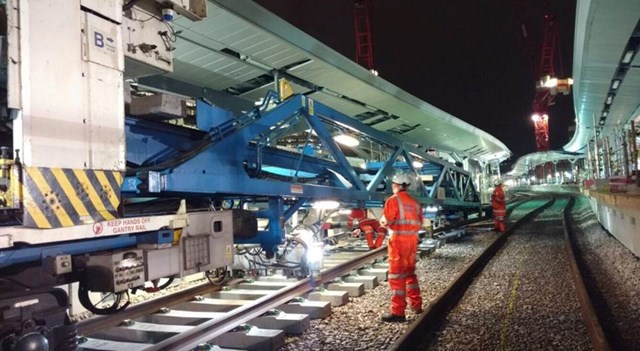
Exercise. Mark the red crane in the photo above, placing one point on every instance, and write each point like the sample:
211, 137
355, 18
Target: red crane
547, 86
362, 30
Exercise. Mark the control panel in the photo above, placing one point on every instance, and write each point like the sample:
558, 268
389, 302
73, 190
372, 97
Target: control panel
115, 272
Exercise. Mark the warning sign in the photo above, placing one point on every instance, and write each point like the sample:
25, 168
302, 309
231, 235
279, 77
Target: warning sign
122, 226
296, 189
97, 228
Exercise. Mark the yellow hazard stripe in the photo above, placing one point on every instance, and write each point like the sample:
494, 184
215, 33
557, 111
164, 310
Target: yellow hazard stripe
35, 212
44, 188
69, 191
118, 177
93, 195
102, 178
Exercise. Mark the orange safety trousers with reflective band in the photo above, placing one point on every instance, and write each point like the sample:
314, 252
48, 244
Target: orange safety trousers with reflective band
404, 216
369, 226
499, 206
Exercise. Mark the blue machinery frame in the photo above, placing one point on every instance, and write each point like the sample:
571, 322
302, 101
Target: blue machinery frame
228, 158
236, 160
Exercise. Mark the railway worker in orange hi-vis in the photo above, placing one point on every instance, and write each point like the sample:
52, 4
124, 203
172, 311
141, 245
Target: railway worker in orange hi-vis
359, 221
403, 216
499, 206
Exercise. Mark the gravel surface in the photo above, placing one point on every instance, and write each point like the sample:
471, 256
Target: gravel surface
613, 271
357, 325
524, 299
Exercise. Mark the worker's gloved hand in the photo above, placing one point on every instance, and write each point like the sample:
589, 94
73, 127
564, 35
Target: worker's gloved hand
356, 233
383, 221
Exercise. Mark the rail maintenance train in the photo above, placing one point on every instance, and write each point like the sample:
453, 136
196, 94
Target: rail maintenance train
107, 187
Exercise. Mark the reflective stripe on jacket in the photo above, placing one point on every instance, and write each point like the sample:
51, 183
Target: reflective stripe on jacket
404, 215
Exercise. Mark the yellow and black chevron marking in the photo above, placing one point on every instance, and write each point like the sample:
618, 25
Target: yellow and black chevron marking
62, 197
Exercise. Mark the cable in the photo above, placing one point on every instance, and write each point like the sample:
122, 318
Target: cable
220, 280
151, 16
173, 32
83, 296
168, 39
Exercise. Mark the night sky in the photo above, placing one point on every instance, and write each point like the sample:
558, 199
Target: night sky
467, 58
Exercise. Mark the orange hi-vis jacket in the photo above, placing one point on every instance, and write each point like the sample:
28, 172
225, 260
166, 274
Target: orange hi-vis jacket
498, 202
403, 214
356, 213
360, 215
499, 206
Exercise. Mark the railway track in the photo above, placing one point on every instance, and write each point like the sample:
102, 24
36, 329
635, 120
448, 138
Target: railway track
515, 315
189, 320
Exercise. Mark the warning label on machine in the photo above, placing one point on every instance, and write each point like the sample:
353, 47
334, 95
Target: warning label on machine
122, 226
296, 189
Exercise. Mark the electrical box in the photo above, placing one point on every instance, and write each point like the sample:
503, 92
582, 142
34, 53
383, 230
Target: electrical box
162, 263
207, 243
115, 272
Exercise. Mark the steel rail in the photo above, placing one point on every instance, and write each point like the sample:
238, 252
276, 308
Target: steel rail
516, 203
432, 316
99, 323
589, 315
213, 328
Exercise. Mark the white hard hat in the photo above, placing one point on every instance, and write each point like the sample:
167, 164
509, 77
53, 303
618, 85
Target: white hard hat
497, 182
402, 179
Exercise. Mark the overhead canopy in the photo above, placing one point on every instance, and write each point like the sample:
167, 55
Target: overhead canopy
607, 38
240, 48
527, 162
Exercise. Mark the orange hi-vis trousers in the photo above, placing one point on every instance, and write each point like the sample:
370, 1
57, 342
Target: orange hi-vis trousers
369, 227
402, 277
499, 219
